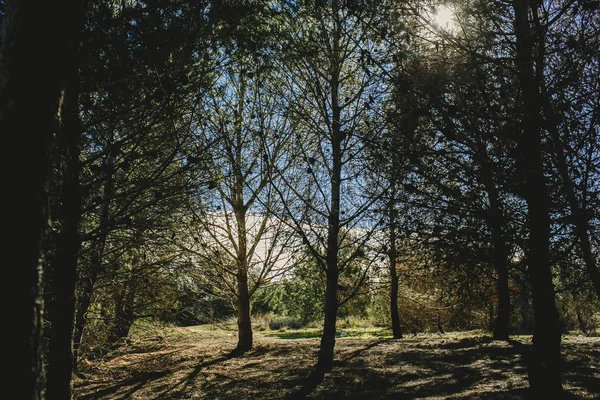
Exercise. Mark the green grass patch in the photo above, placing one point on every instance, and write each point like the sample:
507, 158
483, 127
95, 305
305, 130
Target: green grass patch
352, 333
295, 334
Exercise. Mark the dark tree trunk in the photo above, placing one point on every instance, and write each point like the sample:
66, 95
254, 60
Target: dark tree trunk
84, 299
502, 322
244, 322
545, 360
125, 307
88, 278
393, 255
60, 284
34, 67
496, 221
524, 297
581, 321
327, 345
240, 209
396, 327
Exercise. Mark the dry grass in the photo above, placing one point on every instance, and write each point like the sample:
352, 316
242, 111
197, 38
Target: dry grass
194, 363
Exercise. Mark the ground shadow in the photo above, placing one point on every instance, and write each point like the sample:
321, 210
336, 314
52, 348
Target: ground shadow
470, 368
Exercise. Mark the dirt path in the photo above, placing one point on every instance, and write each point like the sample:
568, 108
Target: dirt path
194, 363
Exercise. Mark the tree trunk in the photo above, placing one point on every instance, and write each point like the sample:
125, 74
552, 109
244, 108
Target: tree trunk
87, 279
545, 360
495, 220
524, 297
34, 67
502, 322
124, 308
327, 345
60, 284
396, 327
244, 322
240, 209
581, 323
84, 300
393, 255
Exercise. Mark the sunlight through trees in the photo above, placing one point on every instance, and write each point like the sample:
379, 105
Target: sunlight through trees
301, 168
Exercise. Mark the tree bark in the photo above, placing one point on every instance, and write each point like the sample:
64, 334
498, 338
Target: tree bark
84, 300
545, 359
60, 285
502, 322
87, 279
393, 255
495, 222
34, 67
125, 306
244, 323
245, 339
327, 345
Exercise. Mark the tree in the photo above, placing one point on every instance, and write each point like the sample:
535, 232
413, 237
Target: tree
60, 271
569, 118
31, 97
137, 105
545, 370
236, 233
332, 92
445, 124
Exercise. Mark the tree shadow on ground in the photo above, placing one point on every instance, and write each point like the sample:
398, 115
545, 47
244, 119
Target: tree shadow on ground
307, 385
419, 369
471, 368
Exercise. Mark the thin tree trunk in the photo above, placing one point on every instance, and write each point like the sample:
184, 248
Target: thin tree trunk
84, 300
60, 284
34, 68
124, 308
327, 345
524, 307
581, 323
545, 360
393, 255
87, 280
502, 321
245, 339
244, 322
85, 291
495, 221
396, 327
243, 296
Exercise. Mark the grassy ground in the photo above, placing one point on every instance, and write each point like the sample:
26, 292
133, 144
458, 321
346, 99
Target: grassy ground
194, 363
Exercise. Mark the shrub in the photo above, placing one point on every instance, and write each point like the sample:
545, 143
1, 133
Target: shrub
285, 322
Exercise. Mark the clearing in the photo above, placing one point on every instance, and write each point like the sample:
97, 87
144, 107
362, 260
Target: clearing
194, 363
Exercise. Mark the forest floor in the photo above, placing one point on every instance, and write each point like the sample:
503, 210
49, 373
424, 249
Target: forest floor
195, 363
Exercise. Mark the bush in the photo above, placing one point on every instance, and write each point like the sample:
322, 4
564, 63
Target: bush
285, 322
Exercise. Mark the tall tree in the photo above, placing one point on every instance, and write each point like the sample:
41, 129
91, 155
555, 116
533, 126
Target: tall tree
137, 104
333, 89
37, 57
570, 116
235, 229
453, 102
545, 362
61, 267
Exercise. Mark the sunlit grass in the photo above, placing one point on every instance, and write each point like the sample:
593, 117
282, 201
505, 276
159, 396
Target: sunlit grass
351, 333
